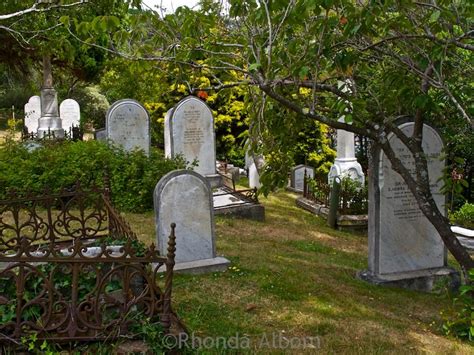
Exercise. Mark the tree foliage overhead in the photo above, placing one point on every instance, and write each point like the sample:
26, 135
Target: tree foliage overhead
402, 58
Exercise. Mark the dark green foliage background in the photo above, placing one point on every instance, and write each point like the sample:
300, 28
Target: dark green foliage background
59, 165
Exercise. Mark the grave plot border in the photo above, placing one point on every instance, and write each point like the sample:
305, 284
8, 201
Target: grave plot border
69, 280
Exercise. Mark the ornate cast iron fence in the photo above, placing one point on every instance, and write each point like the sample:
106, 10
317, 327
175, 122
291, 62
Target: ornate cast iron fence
72, 269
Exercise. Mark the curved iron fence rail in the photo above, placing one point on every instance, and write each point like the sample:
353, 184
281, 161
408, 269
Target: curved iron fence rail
71, 268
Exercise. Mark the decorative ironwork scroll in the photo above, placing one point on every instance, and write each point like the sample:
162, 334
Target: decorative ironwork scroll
71, 268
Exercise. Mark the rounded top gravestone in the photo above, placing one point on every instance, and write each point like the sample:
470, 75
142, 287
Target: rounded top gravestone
128, 125
70, 113
192, 134
184, 197
32, 113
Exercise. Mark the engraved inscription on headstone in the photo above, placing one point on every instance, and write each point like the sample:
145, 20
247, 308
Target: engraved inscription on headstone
184, 197
401, 238
192, 134
128, 125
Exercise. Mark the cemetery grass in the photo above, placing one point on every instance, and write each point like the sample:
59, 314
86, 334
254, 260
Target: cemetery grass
294, 276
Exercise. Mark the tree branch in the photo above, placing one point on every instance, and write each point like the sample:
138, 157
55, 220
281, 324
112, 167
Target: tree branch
37, 9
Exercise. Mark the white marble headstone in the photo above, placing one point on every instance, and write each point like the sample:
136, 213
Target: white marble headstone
70, 114
184, 197
401, 238
32, 113
192, 134
297, 176
128, 125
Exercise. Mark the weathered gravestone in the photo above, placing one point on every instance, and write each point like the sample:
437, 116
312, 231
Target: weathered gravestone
128, 125
297, 176
70, 114
32, 113
191, 134
404, 248
184, 197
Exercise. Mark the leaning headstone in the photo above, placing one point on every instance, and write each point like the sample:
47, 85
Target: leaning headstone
192, 135
70, 113
405, 249
297, 176
32, 113
128, 125
184, 197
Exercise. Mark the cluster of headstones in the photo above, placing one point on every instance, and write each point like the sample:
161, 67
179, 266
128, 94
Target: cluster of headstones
69, 111
402, 242
183, 197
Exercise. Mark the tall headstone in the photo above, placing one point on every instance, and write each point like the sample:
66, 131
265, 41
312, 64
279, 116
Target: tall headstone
404, 248
192, 134
128, 125
50, 121
167, 134
70, 113
346, 163
184, 197
32, 113
297, 176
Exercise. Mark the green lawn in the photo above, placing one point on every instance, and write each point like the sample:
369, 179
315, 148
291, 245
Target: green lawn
292, 275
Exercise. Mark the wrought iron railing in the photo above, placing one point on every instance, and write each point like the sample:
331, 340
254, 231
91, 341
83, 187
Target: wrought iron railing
248, 195
71, 268
73, 133
352, 200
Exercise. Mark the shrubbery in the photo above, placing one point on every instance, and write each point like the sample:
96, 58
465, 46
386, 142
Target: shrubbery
464, 216
461, 323
59, 165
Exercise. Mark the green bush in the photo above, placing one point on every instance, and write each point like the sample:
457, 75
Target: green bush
59, 165
464, 216
461, 323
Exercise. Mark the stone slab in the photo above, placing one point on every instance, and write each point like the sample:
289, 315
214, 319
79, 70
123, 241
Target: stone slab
347, 223
217, 264
419, 280
467, 243
463, 232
